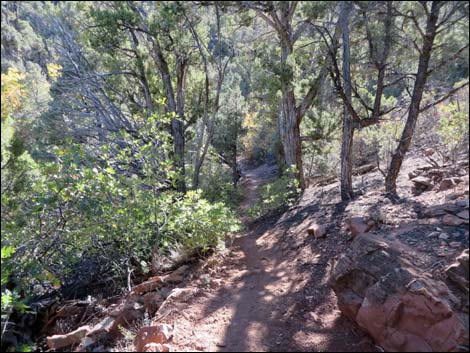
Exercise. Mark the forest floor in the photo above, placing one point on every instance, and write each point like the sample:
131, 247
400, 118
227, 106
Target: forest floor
263, 296
269, 291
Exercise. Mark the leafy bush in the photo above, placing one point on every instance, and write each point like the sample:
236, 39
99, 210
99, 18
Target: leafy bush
195, 224
100, 212
279, 193
453, 127
383, 138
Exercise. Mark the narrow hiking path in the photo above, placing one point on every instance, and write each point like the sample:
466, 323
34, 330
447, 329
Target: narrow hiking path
254, 300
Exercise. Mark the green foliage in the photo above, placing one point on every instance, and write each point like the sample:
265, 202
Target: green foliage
383, 139
453, 129
196, 224
279, 193
102, 209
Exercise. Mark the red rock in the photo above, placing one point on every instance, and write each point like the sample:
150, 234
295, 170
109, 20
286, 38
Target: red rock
152, 302
446, 184
357, 226
451, 220
401, 307
107, 325
463, 215
61, 341
160, 334
149, 285
176, 276
317, 230
428, 152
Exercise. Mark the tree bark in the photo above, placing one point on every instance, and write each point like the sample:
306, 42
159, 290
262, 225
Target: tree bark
176, 124
208, 121
289, 119
348, 126
290, 115
418, 89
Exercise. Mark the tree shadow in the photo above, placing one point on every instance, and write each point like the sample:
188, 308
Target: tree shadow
272, 310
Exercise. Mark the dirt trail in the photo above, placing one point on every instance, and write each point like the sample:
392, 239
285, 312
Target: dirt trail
256, 299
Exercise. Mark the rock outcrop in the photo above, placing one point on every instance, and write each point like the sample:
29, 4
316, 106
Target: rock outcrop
400, 305
154, 337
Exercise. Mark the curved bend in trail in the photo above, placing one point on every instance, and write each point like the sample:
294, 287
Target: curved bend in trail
261, 302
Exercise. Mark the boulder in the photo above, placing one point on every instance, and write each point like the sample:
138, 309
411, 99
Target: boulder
176, 296
159, 334
62, 341
421, 184
401, 306
176, 276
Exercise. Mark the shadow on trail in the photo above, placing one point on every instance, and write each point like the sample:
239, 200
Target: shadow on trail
279, 298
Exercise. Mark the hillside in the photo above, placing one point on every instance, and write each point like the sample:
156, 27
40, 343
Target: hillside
270, 290
234, 176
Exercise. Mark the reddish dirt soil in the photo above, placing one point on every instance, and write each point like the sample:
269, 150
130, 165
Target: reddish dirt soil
268, 291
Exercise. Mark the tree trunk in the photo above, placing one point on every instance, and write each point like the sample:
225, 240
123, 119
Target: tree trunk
348, 126
289, 129
421, 78
176, 124
289, 122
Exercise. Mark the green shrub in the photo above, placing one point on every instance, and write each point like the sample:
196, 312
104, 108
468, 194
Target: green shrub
195, 224
453, 128
279, 193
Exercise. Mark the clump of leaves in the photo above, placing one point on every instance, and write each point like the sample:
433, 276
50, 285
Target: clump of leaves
279, 193
453, 128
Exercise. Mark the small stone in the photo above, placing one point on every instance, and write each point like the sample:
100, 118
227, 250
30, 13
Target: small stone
429, 152
446, 184
451, 220
444, 236
61, 341
463, 215
433, 235
422, 181
160, 334
463, 203
454, 244
317, 230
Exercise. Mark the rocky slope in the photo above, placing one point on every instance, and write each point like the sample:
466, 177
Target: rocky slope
370, 275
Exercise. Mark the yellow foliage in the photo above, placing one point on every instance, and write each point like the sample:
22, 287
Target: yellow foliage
12, 92
54, 70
